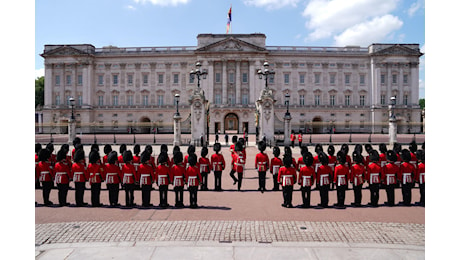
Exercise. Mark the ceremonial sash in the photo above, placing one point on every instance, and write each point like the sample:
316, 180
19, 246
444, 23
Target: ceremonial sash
287, 180
109, 177
59, 176
136, 165
261, 167
383, 163
332, 165
217, 166
192, 181
341, 180
144, 179
324, 179
358, 180
407, 178
374, 178
391, 179
306, 181
78, 177
126, 177
162, 179
301, 166
178, 181
317, 166
43, 175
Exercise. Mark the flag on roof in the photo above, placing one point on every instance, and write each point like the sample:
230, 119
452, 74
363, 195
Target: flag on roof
229, 18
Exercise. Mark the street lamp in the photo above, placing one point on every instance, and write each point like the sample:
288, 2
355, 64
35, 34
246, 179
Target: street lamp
266, 73
72, 105
286, 102
198, 73
392, 108
176, 99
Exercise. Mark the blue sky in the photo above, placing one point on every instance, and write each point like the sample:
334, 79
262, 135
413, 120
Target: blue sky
136, 23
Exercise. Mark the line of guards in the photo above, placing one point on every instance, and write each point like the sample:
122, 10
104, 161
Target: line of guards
387, 170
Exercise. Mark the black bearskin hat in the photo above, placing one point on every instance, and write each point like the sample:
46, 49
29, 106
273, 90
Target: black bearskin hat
262, 146
276, 151
331, 150
162, 158
122, 148
420, 155
217, 147
112, 158
303, 150
308, 159
79, 155
95, 147
341, 157
287, 160
145, 156
344, 149
190, 149
287, 150
413, 146
405, 155
164, 148
107, 148
382, 148
192, 159
78, 147
61, 155
323, 158
65, 147
358, 148
38, 147
50, 147
234, 139
368, 148
76, 141
43, 155
238, 146
178, 157
397, 147
318, 148
374, 156
176, 149
391, 156
137, 149
357, 157
148, 148
94, 156
127, 156
204, 151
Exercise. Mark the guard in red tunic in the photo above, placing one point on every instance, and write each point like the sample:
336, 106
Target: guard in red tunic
38, 147
300, 161
275, 164
76, 142
145, 174
136, 156
373, 177
413, 156
420, 176
163, 173
46, 175
177, 176
262, 164
129, 173
107, 150
357, 178
306, 178
193, 180
406, 176
205, 167
238, 162
218, 165
322, 179
96, 171
120, 157
292, 139
383, 155
300, 137
389, 172
368, 148
62, 177
79, 175
316, 161
341, 174
190, 150
112, 176
345, 149
287, 177
232, 146
332, 161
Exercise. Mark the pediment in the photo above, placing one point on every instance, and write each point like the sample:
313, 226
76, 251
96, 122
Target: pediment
398, 50
64, 51
231, 44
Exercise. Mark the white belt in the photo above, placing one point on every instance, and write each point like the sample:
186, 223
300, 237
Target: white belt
287, 180
407, 177
422, 177
59, 176
177, 180
78, 173
60, 173
276, 169
390, 176
341, 180
324, 179
239, 164
203, 167
144, 178
109, 177
373, 175
128, 174
331, 165
217, 165
304, 181
191, 180
162, 179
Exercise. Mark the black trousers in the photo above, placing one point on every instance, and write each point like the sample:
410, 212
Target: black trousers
374, 189
146, 194
406, 190
276, 185
46, 190
114, 189
163, 195
193, 195
422, 194
262, 176
79, 193
287, 195
95, 194
179, 191
357, 190
324, 194
218, 180
129, 194
239, 180
306, 195
390, 189
341, 190
62, 193
204, 176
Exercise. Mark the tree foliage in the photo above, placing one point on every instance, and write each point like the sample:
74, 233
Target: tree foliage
421, 102
40, 91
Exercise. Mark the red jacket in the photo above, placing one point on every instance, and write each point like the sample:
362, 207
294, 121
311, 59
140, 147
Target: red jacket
95, 171
287, 176
145, 174
306, 176
373, 173
136, 161
276, 163
204, 165
62, 171
217, 162
193, 176
262, 162
163, 174
177, 175
292, 137
357, 174
389, 173
129, 173
112, 174
300, 164
322, 175
406, 173
79, 173
45, 172
420, 173
238, 161
341, 175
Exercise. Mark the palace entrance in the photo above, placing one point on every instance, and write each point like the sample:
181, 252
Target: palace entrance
317, 125
231, 123
144, 125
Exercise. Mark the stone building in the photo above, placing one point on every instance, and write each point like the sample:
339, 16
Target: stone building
341, 89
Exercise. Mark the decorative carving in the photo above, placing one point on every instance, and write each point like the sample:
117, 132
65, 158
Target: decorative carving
232, 45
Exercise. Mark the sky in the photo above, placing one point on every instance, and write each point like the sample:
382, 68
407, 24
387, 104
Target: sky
147, 23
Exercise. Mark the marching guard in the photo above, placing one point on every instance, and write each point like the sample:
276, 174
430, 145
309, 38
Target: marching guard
306, 178
205, 167
80, 175
406, 176
193, 179
373, 177
262, 164
357, 177
287, 177
128, 172
163, 178
112, 176
322, 179
389, 172
146, 176
96, 171
62, 169
238, 164
341, 174
218, 165
46, 175
275, 164
177, 178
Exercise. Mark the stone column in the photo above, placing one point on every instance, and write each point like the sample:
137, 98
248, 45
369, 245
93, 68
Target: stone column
177, 130
287, 129
393, 127
72, 130
198, 104
238, 82
48, 91
224, 82
266, 116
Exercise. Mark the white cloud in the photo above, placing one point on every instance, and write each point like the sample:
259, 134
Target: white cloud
39, 73
365, 33
163, 2
272, 4
130, 7
414, 7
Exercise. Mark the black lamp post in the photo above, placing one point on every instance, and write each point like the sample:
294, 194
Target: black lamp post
286, 102
176, 100
72, 105
198, 73
266, 74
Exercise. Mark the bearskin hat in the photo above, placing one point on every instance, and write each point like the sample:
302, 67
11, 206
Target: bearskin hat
331, 150
204, 151
318, 148
137, 149
357, 157
43, 155
191, 149
287, 160
95, 147
192, 159
420, 155
164, 148
262, 146
383, 148
38, 147
308, 159
107, 148
79, 155
397, 147
234, 139
127, 156
145, 157
303, 150
344, 148
368, 148
148, 148
276, 151
341, 157
217, 147
323, 158
374, 156
358, 148
61, 155
162, 158
176, 149
413, 146
78, 147
65, 147
178, 157
76, 141
287, 150
50, 147
405, 155
112, 158
122, 148
391, 156
238, 146
94, 156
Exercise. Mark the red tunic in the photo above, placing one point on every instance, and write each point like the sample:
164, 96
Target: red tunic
120, 161
275, 165
357, 174
79, 173
420, 173
95, 171
112, 174
373, 173
262, 162
306, 176
341, 174
163, 174
287, 176
62, 171
332, 162
177, 175
136, 161
217, 162
389, 172
292, 137
145, 174
300, 164
193, 176
204, 165
45, 172
383, 159
406, 173
238, 161
300, 138
322, 175
128, 172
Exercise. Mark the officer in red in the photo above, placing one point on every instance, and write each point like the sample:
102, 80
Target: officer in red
95, 170
300, 161
238, 164
112, 176
287, 177
232, 146
373, 177
357, 178
383, 155
306, 178
322, 179
341, 174
406, 176
389, 172
122, 149
129, 173
292, 139
62, 170
332, 161
163, 173
262, 164
275, 164
46, 175
107, 150
193, 180
38, 147
420, 176
145, 174
177, 175
80, 175
218, 165
205, 167
299, 137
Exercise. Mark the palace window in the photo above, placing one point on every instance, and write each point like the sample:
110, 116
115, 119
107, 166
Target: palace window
347, 79
394, 79
160, 100
114, 100
362, 79
80, 79
218, 77
231, 77
244, 99
286, 78
100, 100
130, 100
130, 79
218, 99
302, 100
245, 78
405, 79
175, 78
160, 78
317, 100
80, 100
332, 79
405, 100
332, 100
382, 78
362, 100
145, 100
317, 78
145, 79
57, 100
68, 80
383, 99
100, 80
57, 80
302, 78
115, 79
347, 100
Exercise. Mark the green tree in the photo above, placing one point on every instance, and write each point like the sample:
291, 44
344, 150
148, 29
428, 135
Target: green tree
39, 91
421, 103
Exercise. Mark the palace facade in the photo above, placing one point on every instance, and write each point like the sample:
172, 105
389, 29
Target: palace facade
343, 89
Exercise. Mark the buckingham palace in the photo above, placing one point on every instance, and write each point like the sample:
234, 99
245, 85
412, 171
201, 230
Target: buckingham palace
341, 89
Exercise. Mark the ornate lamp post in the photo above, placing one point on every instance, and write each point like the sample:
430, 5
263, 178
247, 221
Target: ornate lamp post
198, 104
71, 125
393, 127
177, 118
265, 106
266, 74
198, 73
287, 120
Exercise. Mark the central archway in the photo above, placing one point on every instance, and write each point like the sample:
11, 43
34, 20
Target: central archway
144, 125
231, 123
317, 125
